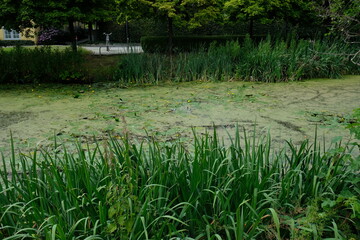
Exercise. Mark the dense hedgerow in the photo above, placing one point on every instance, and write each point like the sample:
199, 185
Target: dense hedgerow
6, 43
155, 191
40, 64
267, 61
160, 44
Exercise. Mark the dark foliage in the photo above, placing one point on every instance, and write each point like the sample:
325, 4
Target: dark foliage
152, 44
5, 43
42, 64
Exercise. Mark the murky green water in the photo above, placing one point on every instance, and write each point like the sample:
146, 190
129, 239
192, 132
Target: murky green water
35, 115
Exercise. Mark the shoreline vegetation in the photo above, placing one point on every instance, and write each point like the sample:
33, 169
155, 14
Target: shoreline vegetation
270, 60
123, 190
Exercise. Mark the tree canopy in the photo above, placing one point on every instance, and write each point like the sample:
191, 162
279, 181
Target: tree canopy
265, 11
345, 17
186, 13
341, 15
13, 14
53, 13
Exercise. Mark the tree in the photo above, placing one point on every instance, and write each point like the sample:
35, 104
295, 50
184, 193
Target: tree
344, 16
54, 13
250, 10
200, 13
99, 10
289, 11
13, 15
297, 12
188, 13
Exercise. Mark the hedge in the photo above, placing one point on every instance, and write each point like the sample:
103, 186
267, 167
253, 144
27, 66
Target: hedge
151, 44
5, 43
42, 64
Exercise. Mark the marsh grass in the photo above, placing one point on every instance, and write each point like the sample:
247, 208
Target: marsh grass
100, 68
271, 60
120, 190
142, 69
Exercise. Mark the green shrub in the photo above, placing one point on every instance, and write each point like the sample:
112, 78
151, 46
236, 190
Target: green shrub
247, 190
5, 43
41, 64
354, 124
160, 44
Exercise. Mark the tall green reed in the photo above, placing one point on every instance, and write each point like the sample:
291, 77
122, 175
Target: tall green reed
123, 190
142, 69
271, 60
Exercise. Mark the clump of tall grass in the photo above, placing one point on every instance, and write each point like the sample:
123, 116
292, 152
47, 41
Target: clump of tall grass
215, 64
142, 69
154, 191
40, 64
270, 60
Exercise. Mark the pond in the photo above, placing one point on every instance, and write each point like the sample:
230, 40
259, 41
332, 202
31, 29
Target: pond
34, 115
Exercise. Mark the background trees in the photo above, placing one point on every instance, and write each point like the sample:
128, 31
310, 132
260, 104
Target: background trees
342, 19
54, 13
294, 12
340, 16
249, 10
57, 13
344, 16
13, 14
185, 13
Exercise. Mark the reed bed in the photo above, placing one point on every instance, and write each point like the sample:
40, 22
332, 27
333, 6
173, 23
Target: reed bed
268, 61
121, 190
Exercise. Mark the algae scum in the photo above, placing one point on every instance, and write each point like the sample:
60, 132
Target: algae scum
35, 115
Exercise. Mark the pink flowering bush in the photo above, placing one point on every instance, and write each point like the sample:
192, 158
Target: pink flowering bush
51, 36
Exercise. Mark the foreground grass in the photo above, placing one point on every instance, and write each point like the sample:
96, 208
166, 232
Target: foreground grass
160, 191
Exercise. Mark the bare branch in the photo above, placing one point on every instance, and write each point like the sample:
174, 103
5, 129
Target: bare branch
353, 58
332, 54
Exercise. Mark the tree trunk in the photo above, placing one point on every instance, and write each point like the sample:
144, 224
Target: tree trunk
127, 32
170, 35
72, 35
251, 27
90, 32
287, 28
